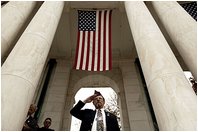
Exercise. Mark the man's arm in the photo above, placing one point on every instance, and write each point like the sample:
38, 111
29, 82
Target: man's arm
76, 110
30, 124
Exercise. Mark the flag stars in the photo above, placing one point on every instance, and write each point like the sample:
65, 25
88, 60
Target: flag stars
87, 20
191, 8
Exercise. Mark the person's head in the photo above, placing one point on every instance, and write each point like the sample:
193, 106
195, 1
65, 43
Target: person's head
32, 109
47, 122
98, 101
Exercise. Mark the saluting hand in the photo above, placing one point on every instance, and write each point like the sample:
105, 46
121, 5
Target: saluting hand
90, 98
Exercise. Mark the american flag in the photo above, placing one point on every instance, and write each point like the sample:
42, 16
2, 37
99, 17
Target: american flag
191, 8
93, 51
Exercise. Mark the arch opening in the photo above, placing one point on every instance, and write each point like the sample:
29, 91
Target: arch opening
111, 103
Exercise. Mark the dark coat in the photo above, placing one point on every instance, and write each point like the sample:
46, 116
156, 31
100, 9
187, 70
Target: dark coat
87, 118
44, 129
31, 123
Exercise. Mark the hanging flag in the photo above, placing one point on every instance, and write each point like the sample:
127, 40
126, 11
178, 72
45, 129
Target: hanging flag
93, 51
191, 8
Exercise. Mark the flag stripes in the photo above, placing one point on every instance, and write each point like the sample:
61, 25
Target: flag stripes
93, 51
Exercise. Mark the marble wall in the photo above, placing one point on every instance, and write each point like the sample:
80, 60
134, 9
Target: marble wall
125, 81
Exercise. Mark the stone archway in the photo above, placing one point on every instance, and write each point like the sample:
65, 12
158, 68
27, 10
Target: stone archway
111, 102
95, 80
111, 79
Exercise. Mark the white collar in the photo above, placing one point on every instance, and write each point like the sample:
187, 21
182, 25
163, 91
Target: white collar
100, 109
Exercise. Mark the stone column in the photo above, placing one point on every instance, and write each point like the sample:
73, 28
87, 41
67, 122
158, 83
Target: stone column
13, 17
173, 99
182, 29
23, 67
135, 99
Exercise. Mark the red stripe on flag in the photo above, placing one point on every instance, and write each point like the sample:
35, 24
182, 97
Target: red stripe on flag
93, 55
110, 54
104, 41
99, 31
88, 46
82, 51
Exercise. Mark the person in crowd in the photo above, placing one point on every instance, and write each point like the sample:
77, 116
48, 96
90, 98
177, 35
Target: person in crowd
31, 123
47, 123
95, 120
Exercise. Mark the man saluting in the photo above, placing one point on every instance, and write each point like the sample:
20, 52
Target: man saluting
95, 120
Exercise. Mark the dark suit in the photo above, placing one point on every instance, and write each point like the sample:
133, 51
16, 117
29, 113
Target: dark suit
87, 118
44, 129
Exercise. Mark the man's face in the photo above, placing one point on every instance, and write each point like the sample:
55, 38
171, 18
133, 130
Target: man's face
32, 109
98, 102
47, 123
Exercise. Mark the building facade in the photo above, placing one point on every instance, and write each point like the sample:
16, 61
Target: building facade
152, 44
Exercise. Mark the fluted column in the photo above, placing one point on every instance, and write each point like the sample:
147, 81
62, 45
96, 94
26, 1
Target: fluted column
23, 67
13, 16
182, 29
174, 101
